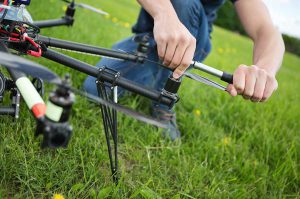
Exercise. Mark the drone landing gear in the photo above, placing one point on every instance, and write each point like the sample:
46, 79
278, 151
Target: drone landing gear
109, 92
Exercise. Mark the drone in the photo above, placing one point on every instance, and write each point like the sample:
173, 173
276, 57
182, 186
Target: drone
22, 37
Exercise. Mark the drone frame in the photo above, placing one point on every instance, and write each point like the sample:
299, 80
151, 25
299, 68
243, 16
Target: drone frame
104, 76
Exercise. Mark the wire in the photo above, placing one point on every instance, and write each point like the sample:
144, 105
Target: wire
4, 3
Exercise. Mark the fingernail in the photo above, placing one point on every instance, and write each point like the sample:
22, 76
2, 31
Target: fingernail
176, 75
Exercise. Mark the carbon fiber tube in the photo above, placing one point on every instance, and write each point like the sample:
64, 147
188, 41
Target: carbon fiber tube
54, 22
93, 71
87, 49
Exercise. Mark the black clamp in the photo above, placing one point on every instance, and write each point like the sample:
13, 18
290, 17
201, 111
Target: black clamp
108, 71
114, 83
143, 47
170, 90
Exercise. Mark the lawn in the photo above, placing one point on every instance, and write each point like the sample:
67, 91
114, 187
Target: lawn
230, 148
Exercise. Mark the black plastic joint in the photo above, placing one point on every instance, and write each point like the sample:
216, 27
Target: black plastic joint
226, 77
70, 12
172, 85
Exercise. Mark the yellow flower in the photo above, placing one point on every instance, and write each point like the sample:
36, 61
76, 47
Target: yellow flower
114, 20
255, 163
64, 8
197, 112
126, 25
58, 196
226, 141
220, 50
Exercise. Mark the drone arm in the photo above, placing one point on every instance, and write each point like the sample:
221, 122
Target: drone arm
58, 43
120, 81
65, 21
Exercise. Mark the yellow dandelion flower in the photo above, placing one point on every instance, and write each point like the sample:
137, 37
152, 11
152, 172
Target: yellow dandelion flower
226, 141
255, 163
126, 25
114, 20
197, 112
220, 50
64, 8
58, 196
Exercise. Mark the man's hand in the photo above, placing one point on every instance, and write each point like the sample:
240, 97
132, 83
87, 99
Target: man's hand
252, 83
175, 44
258, 82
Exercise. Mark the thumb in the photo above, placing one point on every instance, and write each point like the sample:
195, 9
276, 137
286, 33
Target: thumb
231, 90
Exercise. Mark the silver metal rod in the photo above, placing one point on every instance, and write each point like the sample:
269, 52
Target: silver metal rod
115, 90
207, 69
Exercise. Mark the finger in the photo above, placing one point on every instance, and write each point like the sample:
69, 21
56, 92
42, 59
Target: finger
239, 79
185, 63
170, 51
271, 86
179, 55
260, 85
161, 49
231, 90
249, 85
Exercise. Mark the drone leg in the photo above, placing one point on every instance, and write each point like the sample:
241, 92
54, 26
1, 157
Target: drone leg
110, 128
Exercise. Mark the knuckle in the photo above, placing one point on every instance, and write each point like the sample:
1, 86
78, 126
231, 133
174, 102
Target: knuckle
262, 73
185, 64
173, 38
193, 40
167, 59
161, 38
253, 69
183, 39
175, 63
241, 69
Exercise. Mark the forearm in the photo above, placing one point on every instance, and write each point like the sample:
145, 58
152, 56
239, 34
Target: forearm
268, 50
157, 8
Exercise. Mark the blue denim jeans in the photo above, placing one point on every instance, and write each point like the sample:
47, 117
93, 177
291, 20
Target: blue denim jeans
191, 13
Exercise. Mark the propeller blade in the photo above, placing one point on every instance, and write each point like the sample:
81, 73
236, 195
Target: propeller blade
91, 8
204, 80
117, 107
28, 67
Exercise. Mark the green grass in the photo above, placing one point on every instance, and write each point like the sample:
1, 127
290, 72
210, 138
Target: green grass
232, 149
